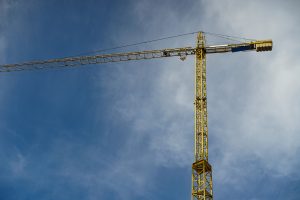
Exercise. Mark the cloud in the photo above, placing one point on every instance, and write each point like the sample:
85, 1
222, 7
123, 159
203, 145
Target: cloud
267, 127
253, 109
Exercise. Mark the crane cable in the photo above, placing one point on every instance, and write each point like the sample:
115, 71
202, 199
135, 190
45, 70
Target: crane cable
228, 37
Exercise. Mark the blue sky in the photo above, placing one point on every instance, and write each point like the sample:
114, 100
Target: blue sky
125, 130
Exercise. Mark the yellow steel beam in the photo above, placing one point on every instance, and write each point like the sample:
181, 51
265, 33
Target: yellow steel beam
202, 188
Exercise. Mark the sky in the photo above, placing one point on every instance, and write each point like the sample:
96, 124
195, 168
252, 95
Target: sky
125, 130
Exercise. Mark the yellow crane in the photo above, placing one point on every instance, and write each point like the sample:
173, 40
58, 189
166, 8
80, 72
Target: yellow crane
202, 184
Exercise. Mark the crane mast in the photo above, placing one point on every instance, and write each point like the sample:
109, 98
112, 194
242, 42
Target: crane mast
201, 169
202, 184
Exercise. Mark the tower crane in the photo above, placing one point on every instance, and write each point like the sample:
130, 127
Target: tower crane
202, 184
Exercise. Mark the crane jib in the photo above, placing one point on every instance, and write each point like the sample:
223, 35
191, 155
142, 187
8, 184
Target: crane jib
258, 45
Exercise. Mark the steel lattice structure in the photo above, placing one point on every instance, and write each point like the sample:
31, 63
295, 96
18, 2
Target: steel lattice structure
202, 184
201, 169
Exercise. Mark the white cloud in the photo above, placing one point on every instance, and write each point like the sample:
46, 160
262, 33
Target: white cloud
265, 124
253, 97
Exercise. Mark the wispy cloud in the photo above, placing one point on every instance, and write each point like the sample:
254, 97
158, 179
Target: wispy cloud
266, 127
253, 111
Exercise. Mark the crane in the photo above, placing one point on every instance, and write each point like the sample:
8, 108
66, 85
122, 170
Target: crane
202, 184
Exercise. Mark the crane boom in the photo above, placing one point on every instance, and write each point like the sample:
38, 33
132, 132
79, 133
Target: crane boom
202, 187
263, 45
